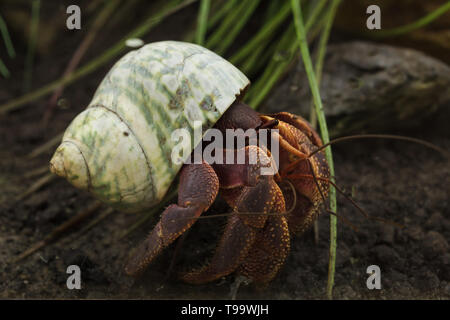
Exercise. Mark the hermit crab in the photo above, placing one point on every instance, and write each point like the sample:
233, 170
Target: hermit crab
120, 149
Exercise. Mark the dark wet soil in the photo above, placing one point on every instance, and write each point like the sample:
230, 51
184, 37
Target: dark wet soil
398, 181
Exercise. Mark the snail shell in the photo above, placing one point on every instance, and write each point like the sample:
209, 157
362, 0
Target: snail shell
119, 148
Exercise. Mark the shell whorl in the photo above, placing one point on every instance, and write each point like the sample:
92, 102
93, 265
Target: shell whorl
124, 135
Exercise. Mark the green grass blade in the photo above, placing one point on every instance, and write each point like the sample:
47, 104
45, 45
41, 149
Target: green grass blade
217, 11
202, 22
227, 22
315, 12
224, 9
266, 31
232, 24
237, 27
304, 50
96, 63
278, 65
281, 57
4, 70
7, 38
322, 46
412, 26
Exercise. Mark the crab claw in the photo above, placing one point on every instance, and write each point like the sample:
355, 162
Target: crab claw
198, 189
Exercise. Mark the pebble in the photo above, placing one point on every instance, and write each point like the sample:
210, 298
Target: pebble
420, 212
386, 234
427, 281
434, 244
435, 221
415, 233
447, 289
387, 256
345, 292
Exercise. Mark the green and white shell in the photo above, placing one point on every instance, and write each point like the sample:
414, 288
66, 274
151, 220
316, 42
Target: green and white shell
119, 148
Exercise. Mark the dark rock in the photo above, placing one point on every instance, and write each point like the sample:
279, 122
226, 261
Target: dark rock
369, 87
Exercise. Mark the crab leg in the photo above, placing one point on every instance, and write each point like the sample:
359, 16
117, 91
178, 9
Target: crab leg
198, 189
233, 247
257, 248
250, 193
269, 252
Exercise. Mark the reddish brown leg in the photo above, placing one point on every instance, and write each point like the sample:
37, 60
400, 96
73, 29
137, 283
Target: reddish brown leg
198, 189
269, 251
303, 214
233, 247
250, 193
299, 136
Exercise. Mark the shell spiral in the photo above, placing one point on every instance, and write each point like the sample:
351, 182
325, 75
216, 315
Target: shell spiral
119, 148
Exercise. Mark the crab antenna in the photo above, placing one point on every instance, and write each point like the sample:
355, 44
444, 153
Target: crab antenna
344, 219
327, 209
361, 210
383, 136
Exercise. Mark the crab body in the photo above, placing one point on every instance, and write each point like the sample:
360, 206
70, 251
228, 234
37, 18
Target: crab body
119, 150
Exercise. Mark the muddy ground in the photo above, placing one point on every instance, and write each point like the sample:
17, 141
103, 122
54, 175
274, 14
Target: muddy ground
398, 181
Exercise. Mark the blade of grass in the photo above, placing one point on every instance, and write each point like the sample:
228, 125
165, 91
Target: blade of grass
230, 26
217, 12
412, 26
257, 59
315, 12
277, 67
34, 27
125, 12
7, 39
251, 63
264, 33
304, 50
248, 11
95, 63
280, 59
4, 70
202, 21
322, 46
46, 146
